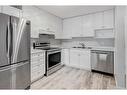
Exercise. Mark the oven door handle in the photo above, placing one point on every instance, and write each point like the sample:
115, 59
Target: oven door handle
52, 52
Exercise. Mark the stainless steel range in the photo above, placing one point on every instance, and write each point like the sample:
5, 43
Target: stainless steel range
53, 57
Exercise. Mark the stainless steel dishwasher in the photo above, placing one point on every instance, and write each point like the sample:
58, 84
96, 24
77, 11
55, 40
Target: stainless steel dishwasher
102, 61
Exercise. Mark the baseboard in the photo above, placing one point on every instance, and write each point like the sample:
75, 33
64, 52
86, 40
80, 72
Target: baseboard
88, 69
109, 74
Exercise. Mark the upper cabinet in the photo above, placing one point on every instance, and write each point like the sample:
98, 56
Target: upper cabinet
88, 30
73, 26
98, 20
104, 20
85, 26
109, 19
11, 11
67, 28
59, 27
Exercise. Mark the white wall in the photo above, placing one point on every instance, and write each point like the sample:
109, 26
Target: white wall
119, 67
126, 43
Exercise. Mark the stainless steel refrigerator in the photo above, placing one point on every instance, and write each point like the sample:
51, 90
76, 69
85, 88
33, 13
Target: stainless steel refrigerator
14, 52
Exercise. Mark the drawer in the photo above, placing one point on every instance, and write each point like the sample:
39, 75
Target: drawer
34, 64
37, 56
34, 76
40, 53
37, 63
41, 60
34, 60
37, 73
34, 56
42, 56
37, 67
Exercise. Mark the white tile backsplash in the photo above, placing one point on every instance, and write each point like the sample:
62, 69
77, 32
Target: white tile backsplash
91, 42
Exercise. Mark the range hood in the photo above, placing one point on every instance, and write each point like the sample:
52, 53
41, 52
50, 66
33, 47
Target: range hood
46, 32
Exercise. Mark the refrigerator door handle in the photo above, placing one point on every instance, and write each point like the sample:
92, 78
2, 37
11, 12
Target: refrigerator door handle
7, 40
11, 38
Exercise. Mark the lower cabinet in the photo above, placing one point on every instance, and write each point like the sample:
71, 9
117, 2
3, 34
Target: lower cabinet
80, 58
65, 58
37, 65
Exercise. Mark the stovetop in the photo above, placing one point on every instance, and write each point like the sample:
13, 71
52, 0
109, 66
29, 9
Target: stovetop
48, 48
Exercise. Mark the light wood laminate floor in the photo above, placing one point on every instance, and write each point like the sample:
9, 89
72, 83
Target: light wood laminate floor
72, 78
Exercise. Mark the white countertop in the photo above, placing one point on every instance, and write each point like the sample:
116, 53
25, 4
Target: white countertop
104, 48
36, 50
94, 48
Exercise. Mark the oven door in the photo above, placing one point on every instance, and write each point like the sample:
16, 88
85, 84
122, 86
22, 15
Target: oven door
53, 59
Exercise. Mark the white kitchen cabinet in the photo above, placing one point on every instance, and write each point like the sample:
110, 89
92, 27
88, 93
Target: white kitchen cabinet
84, 59
74, 58
72, 27
37, 65
11, 11
80, 58
98, 20
51, 25
65, 56
88, 29
104, 20
109, 19
105, 33
59, 27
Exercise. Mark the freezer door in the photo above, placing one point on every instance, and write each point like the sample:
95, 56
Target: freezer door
4, 39
21, 40
15, 76
21, 75
5, 77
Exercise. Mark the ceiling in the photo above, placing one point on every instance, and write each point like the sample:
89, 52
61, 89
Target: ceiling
71, 11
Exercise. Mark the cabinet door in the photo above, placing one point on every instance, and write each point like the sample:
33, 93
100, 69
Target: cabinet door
11, 11
85, 59
66, 29
59, 25
98, 20
88, 30
65, 56
74, 58
51, 25
109, 19
76, 26
37, 65
72, 27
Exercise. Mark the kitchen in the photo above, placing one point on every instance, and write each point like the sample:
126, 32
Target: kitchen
72, 47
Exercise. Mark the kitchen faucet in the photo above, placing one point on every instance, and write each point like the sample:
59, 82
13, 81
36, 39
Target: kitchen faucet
83, 45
